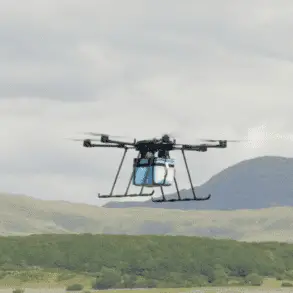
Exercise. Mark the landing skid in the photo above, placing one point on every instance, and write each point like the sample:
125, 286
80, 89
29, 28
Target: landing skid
141, 194
127, 195
179, 198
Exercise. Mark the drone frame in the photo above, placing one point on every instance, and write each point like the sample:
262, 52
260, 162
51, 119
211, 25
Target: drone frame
153, 146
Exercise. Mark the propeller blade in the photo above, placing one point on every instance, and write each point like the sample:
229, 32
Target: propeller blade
228, 140
104, 134
82, 139
96, 134
165, 134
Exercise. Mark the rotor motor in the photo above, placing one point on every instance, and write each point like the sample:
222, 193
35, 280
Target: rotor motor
87, 143
104, 138
223, 143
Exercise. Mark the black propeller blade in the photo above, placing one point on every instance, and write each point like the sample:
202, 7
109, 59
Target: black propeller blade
227, 140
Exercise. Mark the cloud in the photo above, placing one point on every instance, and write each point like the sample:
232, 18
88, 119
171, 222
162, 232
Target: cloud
137, 68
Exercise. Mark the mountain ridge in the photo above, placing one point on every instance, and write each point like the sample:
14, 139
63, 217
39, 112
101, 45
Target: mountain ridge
24, 215
249, 184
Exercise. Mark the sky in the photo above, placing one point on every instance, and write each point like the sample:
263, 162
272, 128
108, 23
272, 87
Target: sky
137, 68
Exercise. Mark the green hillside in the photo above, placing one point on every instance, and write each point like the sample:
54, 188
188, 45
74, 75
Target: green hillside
119, 261
21, 215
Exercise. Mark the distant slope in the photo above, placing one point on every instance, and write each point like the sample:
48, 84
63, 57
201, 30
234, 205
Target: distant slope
251, 184
21, 215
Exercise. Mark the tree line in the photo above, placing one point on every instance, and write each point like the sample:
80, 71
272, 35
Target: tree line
119, 261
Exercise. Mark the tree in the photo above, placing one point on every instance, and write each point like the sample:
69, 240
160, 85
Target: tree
219, 276
128, 281
107, 278
146, 261
254, 279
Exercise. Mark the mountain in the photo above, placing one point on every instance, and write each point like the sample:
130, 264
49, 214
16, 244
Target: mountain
251, 184
23, 215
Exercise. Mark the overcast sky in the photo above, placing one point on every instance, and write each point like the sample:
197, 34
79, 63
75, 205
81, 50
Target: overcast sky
215, 69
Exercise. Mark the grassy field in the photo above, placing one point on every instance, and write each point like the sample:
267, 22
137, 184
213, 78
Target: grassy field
53, 281
178, 290
39, 278
21, 215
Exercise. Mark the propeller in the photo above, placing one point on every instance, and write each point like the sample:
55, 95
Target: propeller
165, 137
82, 139
217, 140
104, 134
172, 134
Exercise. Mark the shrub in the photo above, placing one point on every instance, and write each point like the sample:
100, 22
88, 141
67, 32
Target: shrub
19, 290
74, 287
254, 279
287, 284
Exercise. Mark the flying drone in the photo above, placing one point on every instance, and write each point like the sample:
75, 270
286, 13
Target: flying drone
153, 166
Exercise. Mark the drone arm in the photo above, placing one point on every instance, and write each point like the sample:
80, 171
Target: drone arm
201, 147
222, 144
120, 142
188, 147
89, 144
105, 139
120, 146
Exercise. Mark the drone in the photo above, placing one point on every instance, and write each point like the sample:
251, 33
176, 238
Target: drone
153, 167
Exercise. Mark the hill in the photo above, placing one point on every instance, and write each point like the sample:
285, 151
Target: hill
148, 261
257, 183
23, 215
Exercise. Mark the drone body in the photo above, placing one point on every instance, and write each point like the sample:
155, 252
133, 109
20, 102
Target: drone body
153, 167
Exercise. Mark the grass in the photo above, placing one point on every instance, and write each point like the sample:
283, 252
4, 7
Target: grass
39, 280
178, 290
21, 215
